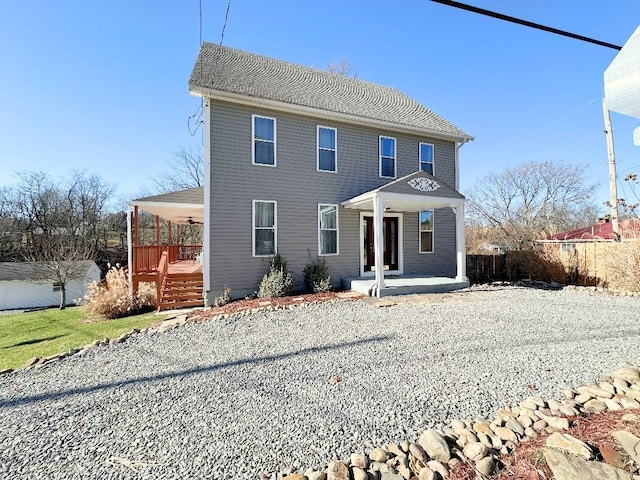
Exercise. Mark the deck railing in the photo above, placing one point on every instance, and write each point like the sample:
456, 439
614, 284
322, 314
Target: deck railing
163, 266
147, 257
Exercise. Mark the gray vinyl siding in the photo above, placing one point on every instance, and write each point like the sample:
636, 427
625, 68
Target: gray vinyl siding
298, 187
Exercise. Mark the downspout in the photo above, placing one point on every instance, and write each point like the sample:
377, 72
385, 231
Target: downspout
129, 250
206, 248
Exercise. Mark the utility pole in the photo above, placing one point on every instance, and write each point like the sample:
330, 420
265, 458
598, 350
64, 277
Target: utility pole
613, 188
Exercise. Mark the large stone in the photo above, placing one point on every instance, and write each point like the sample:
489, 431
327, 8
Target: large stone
359, 474
486, 466
418, 452
514, 425
435, 445
506, 434
337, 471
313, 475
390, 476
595, 405
568, 444
438, 467
294, 476
379, 455
560, 423
483, 427
628, 374
427, 474
629, 402
475, 451
569, 467
359, 460
629, 443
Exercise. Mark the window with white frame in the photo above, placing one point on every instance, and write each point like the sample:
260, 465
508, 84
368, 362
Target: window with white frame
327, 137
426, 231
264, 140
426, 158
387, 157
264, 228
327, 229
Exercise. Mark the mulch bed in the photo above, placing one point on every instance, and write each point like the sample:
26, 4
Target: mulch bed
238, 306
526, 462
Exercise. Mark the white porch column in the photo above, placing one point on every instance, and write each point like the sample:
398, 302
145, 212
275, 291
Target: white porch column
461, 255
129, 250
378, 241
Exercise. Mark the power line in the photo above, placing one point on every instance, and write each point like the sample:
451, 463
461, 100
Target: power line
526, 23
226, 17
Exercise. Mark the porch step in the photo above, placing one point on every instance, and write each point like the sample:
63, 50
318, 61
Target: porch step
182, 290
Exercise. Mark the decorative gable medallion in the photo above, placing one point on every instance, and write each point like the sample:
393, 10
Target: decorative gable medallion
423, 184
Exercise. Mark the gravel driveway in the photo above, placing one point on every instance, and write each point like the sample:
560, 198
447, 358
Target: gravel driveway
237, 397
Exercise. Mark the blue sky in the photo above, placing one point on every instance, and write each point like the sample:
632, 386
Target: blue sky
102, 85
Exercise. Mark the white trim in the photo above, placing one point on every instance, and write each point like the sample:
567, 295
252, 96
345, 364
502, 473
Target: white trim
400, 270
253, 140
433, 229
433, 157
337, 229
194, 206
395, 156
129, 250
318, 112
206, 247
253, 227
335, 150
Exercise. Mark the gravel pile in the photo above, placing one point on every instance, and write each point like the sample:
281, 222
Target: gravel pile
287, 390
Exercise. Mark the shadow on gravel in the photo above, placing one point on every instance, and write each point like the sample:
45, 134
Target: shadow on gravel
191, 371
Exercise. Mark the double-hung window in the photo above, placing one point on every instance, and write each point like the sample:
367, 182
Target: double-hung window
264, 140
265, 236
387, 157
426, 231
327, 229
426, 158
327, 149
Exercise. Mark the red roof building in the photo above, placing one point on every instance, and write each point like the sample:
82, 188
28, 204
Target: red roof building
602, 232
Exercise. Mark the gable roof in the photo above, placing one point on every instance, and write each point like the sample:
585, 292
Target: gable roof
38, 271
596, 233
234, 75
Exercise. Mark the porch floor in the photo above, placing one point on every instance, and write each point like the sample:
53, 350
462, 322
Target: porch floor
404, 285
184, 266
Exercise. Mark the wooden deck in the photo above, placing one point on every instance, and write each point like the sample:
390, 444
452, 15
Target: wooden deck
184, 266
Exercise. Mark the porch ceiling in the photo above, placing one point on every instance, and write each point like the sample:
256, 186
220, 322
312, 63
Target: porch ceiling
412, 193
183, 207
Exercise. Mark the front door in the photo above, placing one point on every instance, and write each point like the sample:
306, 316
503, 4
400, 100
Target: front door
390, 232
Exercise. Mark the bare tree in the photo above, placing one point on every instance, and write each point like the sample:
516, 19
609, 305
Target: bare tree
58, 222
185, 170
342, 67
523, 203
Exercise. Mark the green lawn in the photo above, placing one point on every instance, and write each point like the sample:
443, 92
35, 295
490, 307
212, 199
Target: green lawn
47, 332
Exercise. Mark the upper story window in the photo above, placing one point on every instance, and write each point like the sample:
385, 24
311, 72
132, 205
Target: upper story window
426, 158
264, 228
327, 229
426, 231
387, 157
327, 149
264, 140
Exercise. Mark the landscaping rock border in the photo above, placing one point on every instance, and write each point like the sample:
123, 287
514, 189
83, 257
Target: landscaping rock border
479, 442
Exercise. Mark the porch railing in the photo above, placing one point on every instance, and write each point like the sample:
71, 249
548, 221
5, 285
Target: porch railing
163, 266
147, 257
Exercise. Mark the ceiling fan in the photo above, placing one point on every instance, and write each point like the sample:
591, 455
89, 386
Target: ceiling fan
191, 221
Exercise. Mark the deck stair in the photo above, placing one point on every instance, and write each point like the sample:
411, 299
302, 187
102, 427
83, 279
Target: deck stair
181, 290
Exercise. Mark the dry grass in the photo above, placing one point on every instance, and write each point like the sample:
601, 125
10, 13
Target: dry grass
111, 299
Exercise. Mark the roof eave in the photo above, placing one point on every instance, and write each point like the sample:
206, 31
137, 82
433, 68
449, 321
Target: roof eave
317, 112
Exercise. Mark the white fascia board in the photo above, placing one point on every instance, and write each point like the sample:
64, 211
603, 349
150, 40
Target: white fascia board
317, 112
194, 206
424, 200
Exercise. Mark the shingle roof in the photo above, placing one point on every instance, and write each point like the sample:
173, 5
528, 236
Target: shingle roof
600, 232
224, 69
35, 271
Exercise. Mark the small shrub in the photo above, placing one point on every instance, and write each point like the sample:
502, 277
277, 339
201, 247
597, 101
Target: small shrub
111, 299
224, 298
278, 282
316, 276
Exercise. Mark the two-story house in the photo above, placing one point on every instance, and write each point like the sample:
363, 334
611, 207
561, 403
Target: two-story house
312, 164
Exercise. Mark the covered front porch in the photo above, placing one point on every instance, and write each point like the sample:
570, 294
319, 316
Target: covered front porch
403, 285
172, 258
419, 193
